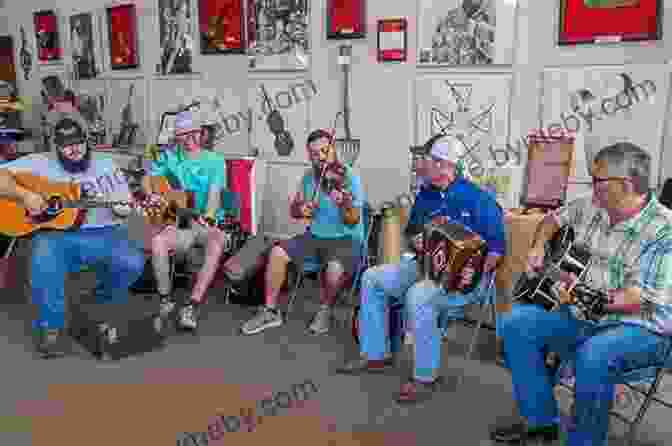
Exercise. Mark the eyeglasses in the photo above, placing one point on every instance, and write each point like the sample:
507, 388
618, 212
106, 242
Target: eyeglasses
600, 180
187, 137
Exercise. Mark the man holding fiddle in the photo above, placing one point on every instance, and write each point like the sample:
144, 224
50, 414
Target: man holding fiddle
202, 172
335, 235
629, 235
448, 197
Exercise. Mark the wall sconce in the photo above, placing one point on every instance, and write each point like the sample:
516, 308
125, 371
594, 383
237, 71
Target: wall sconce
392, 40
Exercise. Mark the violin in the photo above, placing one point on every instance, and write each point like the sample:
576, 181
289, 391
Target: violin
284, 143
26, 57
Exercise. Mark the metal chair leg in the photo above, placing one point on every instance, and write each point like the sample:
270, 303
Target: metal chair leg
292, 295
648, 399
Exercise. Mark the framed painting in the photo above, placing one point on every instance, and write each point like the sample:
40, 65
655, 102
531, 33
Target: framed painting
609, 21
176, 32
123, 37
346, 19
221, 26
82, 46
278, 34
47, 36
7, 65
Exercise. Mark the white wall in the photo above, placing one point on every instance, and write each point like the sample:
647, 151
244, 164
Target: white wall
382, 95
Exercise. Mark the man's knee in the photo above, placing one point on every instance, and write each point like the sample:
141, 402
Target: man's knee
134, 261
278, 253
334, 273
420, 293
161, 243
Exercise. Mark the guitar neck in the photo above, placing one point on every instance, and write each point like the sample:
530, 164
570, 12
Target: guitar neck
89, 204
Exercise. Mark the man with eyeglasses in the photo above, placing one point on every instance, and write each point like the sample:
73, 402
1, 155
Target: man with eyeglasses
202, 172
629, 235
448, 197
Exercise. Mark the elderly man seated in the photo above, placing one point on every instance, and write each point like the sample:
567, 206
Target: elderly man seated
448, 197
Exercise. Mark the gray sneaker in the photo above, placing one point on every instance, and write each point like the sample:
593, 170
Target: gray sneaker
322, 321
188, 317
166, 307
266, 318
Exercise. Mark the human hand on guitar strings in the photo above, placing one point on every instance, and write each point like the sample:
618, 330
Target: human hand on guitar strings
535, 259
34, 203
491, 262
625, 300
467, 275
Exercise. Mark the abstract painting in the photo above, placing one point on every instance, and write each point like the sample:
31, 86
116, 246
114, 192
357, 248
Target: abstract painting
48, 39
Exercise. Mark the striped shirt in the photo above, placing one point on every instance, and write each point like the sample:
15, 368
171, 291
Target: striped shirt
634, 253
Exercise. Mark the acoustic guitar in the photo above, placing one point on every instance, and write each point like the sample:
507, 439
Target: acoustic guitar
66, 207
174, 201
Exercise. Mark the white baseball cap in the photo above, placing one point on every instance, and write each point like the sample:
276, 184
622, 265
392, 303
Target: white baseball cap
187, 122
448, 148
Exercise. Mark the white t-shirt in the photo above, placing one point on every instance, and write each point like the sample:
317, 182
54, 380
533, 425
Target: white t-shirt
103, 178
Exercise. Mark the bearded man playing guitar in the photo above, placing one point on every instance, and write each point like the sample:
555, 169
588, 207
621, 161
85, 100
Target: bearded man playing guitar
101, 240
448, 197
628, 234
335, 235
202, 173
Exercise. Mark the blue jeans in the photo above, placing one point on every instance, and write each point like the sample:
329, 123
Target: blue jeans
118, 261
601, 353
428, 309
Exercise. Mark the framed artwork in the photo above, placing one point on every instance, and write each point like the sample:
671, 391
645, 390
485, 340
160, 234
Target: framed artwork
176, 31
221, 26
123, 38
82, 46
46, 34
7, 65
278, 34
346, 19
609, 21
125, 112
465, 32
392, 40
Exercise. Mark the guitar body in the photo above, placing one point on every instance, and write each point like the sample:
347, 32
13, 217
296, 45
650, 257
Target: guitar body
15, 221
175, 199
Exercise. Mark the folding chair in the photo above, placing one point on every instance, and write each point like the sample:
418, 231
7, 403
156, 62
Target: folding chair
643, 381
312, 266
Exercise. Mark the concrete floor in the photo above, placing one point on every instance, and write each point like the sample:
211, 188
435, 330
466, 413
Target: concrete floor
150, 399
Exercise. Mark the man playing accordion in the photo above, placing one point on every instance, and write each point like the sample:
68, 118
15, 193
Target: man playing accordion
629, 236
448, 196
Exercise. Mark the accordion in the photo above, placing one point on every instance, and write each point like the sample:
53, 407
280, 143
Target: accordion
447, 249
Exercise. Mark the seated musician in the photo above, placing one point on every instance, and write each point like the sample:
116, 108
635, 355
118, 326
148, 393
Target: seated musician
204, 173
101, 240
448, 197
334, 237
8, 149
629, 235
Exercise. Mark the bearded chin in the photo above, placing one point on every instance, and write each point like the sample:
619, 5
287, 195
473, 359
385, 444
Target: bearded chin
71, 166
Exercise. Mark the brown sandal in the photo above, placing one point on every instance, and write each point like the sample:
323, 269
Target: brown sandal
414, 391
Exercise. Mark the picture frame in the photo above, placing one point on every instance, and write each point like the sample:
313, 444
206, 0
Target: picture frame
47, 36
221, 26
83, 46
7, 63
598, 22
177, 36
278, 35
346, 19
122, 36
392, 40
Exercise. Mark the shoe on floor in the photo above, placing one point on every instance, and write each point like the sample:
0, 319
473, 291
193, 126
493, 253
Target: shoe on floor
266, 318
514, 433
321, 321
52, 343
363, 365
187, 318
414, 391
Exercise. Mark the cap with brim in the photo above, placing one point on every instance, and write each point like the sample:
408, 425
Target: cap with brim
187, 122
8, 135
68, 132
448, 148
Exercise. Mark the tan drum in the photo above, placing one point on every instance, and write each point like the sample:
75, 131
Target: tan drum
390, 234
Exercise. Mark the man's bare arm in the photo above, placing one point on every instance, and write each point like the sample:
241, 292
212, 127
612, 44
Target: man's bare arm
9, 189
545, 231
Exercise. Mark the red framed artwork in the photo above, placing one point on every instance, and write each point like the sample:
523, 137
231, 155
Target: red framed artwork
221, 26
48, 40
392, 40
346, 19
608, 21
123, 37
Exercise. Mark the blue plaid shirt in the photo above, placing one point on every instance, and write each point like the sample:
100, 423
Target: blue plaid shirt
634, 253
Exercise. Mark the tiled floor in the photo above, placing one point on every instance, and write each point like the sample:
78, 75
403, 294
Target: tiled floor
148, 400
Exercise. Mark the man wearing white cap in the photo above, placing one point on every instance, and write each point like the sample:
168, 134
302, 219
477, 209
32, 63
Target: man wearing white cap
191, 168
448, 196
